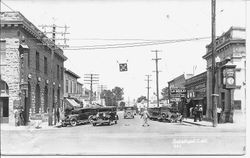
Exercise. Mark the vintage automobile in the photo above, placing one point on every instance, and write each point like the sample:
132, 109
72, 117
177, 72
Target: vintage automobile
78, 116
105, 115
154, 113
165, 113
129, 112
169, 114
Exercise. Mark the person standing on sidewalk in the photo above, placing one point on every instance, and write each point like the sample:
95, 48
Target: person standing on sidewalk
195, 113
200, 111
218, 113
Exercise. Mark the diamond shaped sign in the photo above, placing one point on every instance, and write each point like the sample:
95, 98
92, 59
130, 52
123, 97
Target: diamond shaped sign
123, 67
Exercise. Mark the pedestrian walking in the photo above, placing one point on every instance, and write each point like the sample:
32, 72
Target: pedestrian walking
145, 116
218, 113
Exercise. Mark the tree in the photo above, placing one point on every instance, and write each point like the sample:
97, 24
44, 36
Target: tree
165, 93
118, 92
109, 97
112, 97
141, 98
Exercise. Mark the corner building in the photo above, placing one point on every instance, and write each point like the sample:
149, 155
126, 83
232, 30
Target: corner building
26, 75
230, 52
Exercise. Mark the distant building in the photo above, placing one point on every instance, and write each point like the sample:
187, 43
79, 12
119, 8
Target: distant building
72, 90
26, 78
230, 59
178, 82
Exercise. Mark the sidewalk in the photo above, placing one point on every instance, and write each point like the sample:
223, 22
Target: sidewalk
236, 125
32, 126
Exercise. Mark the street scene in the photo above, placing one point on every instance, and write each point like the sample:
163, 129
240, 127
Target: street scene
123, 78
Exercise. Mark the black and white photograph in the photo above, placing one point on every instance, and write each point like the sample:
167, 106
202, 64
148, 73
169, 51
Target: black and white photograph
123, 78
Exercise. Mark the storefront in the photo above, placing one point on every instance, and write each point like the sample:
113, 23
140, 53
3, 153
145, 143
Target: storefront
196, 92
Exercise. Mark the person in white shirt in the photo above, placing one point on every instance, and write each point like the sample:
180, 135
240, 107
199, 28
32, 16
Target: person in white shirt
218, 113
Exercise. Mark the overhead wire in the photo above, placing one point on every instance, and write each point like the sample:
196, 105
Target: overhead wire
7, 6
123, 45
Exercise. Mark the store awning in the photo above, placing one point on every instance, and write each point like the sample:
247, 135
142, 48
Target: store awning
72, 103
200, 98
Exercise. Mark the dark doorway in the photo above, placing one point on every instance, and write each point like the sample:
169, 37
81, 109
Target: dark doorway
38, 99
46, 99
4, 109
27, 105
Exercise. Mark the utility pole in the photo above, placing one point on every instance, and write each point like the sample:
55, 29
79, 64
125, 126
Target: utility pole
148, 76
102, 87
91, 79
214, 99
53, 48
157, 74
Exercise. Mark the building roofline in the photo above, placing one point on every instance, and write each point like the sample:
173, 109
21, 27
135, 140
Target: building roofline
71, 73
79, 83
19, 19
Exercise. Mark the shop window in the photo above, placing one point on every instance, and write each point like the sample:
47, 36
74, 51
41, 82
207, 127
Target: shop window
237, 104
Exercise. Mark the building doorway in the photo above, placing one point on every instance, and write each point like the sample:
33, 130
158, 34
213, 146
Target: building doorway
45, 107
38, 99
4, 102
27, 105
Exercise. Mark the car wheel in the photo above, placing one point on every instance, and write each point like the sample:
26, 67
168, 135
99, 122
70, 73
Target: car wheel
94, 124
73, 122
115, 121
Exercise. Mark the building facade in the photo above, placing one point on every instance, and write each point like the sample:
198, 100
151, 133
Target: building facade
177, 92
71, 84
230, 57
27, 79
196, 92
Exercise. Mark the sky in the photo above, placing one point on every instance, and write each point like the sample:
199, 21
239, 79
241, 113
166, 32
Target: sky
116, 22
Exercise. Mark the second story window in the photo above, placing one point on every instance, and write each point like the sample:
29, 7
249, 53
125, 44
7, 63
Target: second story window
58, 72
45, 65
62, 73
67, 86
37, 61
29, 58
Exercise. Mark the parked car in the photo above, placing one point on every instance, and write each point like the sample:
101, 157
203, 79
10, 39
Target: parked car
105, 115
79, 116
164, 113
154, 113
169, 114
129, 112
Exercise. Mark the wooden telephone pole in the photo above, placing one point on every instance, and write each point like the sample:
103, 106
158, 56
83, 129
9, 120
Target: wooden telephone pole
157, 74
91, 79
148, 79
214, 99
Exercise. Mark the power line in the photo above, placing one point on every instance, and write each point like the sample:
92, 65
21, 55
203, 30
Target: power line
7, 6
131, 44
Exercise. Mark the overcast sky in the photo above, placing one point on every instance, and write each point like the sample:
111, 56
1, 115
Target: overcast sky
91, 21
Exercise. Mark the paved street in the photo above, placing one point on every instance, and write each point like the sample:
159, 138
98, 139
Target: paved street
126, 137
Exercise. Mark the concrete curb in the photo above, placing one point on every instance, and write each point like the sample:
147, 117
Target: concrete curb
196, 123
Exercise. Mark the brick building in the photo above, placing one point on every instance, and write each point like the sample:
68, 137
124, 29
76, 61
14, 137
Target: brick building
230, 55
26, 75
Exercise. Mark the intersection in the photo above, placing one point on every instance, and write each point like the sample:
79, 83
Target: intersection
128, 137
